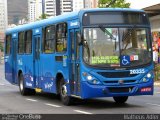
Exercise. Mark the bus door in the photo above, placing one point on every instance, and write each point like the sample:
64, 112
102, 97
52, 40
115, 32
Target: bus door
14, 60
75, 66
36, 60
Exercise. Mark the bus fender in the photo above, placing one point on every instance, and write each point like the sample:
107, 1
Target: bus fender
18, 74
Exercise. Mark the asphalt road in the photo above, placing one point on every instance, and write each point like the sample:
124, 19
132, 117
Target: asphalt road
12, 102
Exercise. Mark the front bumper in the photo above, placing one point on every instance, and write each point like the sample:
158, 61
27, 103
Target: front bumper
92, 91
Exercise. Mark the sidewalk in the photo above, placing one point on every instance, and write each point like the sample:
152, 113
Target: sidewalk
157, 83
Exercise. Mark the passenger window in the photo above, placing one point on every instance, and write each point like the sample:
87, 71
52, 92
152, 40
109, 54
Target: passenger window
28, 42
61, 41
49, 38
21, 43
8, 45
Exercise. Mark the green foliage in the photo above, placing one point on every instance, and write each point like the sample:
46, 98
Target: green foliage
1, 47
157, 71
43, 16
117, 3
157, 67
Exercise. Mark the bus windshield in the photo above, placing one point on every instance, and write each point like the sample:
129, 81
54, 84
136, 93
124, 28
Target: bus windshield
105, 46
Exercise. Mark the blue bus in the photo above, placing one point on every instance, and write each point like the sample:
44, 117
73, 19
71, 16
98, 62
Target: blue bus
102, 52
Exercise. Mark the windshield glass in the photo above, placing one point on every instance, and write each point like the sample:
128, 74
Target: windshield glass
115, 47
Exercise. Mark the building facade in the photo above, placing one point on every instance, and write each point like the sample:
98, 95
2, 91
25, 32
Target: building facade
17, 12
34, 9
154, 17
50, 7
3, 24
78, 5
66, 6
90, 3
3, 15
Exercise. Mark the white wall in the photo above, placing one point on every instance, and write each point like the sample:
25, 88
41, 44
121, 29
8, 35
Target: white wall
155, 23
78, 4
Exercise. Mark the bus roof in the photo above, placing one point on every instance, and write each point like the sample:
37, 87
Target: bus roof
64, 17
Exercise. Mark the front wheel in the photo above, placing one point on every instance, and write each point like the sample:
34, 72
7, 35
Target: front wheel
66, 100
24, 91
120, 100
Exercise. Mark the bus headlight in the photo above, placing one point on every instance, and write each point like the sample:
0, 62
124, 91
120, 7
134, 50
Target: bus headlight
147, 77
90, 79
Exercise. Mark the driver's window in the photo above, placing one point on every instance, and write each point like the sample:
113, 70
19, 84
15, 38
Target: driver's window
141, 39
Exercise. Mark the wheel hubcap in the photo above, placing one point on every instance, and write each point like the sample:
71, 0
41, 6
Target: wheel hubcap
21, 85
64, 91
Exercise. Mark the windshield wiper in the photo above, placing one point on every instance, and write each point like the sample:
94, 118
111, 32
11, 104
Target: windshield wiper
106, 31
126, 35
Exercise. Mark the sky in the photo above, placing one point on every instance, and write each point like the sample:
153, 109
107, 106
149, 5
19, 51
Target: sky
139, 4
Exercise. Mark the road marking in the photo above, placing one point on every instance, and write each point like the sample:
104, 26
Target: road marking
153, 104
82, 112
1, 84
32, 100
52, 105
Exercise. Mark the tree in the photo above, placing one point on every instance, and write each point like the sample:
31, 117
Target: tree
43, 16
1, 47
113, 3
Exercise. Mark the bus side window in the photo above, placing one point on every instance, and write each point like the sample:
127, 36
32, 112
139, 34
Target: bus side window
28, 42
78, 37
49, 39
21, 37
61, 37
8, 45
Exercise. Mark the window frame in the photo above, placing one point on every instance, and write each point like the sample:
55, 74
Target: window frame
51, 39
66, 37
25, 42
22, 43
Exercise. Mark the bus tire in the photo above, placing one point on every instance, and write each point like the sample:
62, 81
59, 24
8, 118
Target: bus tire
121, 99
66, 100
24, 91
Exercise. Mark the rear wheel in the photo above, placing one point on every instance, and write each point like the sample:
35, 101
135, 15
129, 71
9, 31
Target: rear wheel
120, 100
66, 100
23, 90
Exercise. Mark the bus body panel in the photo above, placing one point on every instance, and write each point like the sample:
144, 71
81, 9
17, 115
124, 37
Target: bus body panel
8, 68
25, 65
11, 61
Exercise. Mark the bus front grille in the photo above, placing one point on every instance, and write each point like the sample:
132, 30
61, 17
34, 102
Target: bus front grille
123, 74
110, 82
